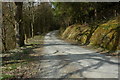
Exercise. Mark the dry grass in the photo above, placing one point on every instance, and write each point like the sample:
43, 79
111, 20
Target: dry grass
23, 62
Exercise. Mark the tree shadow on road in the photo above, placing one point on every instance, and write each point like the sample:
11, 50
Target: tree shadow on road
66, 60
63, 60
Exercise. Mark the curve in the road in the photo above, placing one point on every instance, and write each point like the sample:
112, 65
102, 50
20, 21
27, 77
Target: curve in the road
65, 60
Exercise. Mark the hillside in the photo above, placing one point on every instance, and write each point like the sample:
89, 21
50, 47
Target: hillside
104, 35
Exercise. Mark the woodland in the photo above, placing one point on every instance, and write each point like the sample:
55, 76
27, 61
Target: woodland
88, 23
25, 20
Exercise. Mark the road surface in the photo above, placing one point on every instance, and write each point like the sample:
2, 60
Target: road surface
65, 60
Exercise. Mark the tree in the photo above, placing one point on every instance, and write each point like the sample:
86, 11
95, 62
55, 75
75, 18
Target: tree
8, 24
18, 25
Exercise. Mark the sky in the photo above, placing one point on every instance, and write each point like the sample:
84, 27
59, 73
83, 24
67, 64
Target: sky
60, 0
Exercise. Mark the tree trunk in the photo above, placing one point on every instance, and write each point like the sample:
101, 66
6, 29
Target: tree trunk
95, 14
4, 48
32, 29
32, 23
19, 31
115, 13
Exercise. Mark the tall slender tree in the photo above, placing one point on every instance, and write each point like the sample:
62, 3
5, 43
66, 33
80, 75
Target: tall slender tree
18, 25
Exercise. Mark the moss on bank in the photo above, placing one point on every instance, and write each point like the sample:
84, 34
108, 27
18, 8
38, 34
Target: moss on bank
105, 34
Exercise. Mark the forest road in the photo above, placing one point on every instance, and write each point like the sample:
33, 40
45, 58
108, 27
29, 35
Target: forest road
64, 60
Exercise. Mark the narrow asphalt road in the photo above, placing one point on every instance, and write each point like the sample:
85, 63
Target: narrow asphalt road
65, 60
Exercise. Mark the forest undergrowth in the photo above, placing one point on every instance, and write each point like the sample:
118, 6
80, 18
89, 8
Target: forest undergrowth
22, 62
